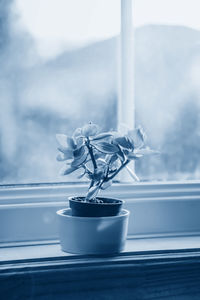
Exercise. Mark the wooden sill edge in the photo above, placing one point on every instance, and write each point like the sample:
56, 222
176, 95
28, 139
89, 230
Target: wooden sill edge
132, 258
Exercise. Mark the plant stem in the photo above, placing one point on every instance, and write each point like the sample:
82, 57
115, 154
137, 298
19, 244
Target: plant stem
132, 174
120, 168
91, 153
91, 184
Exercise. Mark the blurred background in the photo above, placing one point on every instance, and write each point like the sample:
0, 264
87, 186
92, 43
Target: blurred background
59, 70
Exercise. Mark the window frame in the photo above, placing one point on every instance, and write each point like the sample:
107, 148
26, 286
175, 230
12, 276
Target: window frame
27, 212
126, 104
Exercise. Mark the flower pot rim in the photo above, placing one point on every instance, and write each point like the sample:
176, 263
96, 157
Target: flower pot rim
123, 213
120, 201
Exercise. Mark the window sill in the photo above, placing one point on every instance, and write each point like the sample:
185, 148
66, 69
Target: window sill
156, 209
156, 268
52, 250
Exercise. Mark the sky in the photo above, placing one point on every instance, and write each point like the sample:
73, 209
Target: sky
57, 24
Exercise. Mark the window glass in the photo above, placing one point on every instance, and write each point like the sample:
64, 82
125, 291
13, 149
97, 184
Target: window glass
58, 71
167, 86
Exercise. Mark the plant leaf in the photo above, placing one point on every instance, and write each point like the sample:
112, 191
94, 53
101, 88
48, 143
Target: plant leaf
79, 161
66, 171
79, 142
64, 156
71, 143
60, 157
137, 136
77, 133
121, 155
113, 159
106, 147
124, 142
98, 154
79, 152
141, 133
102, 136
101, 162
133, 156
68, 153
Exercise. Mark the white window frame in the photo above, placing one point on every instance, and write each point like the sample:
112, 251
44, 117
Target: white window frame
27, 213
126, 105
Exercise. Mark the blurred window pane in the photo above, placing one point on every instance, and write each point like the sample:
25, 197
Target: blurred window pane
167, 86
58, 71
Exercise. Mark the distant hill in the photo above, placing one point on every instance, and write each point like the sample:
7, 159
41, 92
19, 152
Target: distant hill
81, 85
164, 58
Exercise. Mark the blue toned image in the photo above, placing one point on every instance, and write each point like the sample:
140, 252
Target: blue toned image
99, 149
60, 70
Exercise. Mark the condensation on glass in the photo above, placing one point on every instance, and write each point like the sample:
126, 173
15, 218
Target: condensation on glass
167, 87
59, 70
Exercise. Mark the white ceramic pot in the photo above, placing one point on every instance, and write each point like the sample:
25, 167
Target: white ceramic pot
92, 235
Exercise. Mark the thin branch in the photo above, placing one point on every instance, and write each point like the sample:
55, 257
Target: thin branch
91, 153
118, 170
132, 174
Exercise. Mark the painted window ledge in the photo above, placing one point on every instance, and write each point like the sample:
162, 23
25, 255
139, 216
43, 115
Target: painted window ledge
161, 259
28, 213
52, 250
156, 268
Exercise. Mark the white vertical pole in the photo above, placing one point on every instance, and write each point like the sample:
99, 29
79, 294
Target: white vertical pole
126, 90
126, 107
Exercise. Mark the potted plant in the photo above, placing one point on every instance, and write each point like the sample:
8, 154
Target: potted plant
95, 224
